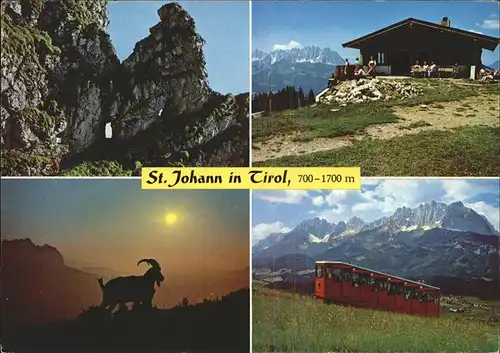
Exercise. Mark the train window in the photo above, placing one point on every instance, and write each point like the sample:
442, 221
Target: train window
422, 296
425, 296
319, 271
337, 274
410, 293
329, 273
430, 297
396, 288
364, 278
355, 279
375, 286
383, 284
346, 275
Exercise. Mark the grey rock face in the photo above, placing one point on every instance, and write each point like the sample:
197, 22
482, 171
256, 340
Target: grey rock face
166, 73
61, 83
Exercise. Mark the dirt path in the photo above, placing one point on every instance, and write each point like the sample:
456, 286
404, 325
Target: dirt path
481, 110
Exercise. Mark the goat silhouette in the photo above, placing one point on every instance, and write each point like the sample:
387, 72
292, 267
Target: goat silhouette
136, 289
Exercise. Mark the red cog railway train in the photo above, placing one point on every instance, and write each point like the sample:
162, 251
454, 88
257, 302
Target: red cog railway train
340, 282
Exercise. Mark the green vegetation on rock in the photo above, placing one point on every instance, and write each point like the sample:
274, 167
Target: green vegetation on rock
24, 40
39, 120
97, 168
17, 163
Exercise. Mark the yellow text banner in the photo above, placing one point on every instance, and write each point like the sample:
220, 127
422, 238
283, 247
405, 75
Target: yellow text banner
252, 178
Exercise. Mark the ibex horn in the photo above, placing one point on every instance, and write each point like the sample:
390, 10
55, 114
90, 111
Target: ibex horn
151, 262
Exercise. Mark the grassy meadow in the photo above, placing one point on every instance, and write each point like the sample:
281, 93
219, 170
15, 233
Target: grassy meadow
286, 322
449, 131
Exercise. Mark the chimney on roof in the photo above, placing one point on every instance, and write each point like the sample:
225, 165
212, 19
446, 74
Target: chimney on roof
446, 22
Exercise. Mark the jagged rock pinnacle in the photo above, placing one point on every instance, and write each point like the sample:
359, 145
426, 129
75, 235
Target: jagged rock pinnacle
173, 12
62, 84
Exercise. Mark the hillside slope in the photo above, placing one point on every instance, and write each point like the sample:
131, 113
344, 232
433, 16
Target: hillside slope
203, 327
285, 322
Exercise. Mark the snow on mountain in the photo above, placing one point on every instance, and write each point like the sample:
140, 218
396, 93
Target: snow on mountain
308, 67
310, 54
435, 232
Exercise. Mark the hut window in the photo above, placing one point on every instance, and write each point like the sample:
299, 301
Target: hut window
381, 58
108, 131
319, 271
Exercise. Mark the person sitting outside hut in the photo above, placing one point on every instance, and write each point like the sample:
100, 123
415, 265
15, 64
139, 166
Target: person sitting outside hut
455, 70
432, 69
371, 66
415, 68
346, 65
356, 62
425, 66
358, 72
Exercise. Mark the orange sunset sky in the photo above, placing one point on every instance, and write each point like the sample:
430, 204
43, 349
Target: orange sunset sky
200, 237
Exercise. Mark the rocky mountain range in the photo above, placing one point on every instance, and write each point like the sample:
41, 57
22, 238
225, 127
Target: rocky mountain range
308, 67
62, 84
432, 239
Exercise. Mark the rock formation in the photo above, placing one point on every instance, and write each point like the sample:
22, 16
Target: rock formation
366, 90
62, 82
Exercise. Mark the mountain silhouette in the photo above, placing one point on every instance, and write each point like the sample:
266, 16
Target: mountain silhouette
38, 287
48, 305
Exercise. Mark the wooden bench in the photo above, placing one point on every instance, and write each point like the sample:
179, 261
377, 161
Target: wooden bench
447, 71
417, 72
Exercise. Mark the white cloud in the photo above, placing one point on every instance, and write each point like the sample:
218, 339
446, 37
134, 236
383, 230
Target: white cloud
490, 212
318, 201
286, 196
474, 31
459, 190
388, 195
493, 15
262, 230
293, 44
490, 24
379, 198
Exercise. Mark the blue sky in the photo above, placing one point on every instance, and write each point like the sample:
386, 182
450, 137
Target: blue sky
223, 25
280, 211
331, 23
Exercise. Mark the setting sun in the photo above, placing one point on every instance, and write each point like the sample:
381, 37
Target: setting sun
171, 218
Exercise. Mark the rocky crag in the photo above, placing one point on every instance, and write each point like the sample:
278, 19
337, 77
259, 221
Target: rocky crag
62, 83
366, 90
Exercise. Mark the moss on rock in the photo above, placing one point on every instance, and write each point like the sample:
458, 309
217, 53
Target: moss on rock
98, 168
18, 163
40, 121
23, 40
